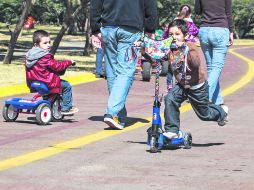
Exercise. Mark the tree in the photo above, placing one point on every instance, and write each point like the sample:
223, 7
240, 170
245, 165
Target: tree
48, 11
69, 17
10, 11
14, 34
167, 10
243, 12
86, 6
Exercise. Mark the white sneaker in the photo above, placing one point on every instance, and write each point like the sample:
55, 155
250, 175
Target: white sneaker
70, 112
225, 119
113, 122
170, 135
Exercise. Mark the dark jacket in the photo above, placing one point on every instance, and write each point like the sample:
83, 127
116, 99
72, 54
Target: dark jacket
45, 69
196, 71
139, 14
215, 13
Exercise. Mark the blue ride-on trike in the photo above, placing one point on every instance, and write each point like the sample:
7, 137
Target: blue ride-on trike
46, 109
158, 49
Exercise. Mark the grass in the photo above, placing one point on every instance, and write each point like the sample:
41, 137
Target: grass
15, 73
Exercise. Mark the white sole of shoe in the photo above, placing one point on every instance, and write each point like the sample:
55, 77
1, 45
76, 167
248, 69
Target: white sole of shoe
170, 135
111, 123
70, 113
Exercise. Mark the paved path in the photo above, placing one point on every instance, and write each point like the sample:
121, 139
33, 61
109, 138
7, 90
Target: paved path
79, 154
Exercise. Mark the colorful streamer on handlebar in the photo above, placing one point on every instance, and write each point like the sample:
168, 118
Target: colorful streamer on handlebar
157, 49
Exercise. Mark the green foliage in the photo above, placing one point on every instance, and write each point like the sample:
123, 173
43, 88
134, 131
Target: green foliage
48, 11
10, 10
243, 11
52, 11
167, 10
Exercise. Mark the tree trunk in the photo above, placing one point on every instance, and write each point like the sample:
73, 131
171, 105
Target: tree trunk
69, 18
87, 48
236, 34
15, 34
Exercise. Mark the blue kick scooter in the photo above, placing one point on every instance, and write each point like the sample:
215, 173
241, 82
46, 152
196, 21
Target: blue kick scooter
156, 141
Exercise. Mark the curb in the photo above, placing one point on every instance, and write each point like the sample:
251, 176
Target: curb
23, 89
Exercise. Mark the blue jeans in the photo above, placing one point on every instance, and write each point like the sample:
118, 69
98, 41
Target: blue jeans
117, 44
199, 101
98, 64
170, 82
66, 103
214, 43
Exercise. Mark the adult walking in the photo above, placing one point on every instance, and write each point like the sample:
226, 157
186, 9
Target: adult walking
216, 35
120, 23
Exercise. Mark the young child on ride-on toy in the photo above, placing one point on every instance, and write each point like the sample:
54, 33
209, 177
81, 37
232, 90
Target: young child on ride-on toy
41, 66
191, 78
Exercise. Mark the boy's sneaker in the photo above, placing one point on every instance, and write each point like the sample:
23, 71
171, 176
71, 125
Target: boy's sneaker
71, 111
112, 122
170, 135
225, 119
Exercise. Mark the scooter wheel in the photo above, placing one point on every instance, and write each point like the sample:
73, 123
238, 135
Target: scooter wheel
43, 114
187, 141
153, 145
10, 113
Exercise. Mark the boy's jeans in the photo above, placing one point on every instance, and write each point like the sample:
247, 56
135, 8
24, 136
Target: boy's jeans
120, 66
199, 101
66, 95
99, 67
214, 43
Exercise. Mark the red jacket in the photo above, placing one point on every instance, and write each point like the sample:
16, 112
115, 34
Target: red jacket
47, 70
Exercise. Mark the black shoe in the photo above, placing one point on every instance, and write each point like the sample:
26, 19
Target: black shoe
225, 119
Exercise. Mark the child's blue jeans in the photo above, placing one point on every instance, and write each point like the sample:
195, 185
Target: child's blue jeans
66, 96
199, 101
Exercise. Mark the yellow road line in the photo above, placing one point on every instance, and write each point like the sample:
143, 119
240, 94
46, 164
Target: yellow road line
82, 141
22, 88
245, 79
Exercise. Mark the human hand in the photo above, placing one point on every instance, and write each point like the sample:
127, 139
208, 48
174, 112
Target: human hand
137, 44
73, 63
96, 40
150, 35
231, 39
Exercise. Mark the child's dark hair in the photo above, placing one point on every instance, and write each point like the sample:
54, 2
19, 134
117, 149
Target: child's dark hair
184, 12
180, 24
38, 34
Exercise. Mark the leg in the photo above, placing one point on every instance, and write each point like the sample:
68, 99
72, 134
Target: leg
200, 104
66, 95
173, 102
122, 116
123, 70
110, 54
170, 82
206, 47
219, 39
98, 64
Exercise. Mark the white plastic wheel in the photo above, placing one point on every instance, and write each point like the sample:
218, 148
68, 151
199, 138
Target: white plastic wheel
43, 114
10, 113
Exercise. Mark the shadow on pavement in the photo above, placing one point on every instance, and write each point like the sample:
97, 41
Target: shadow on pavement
207, 144
129, 120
